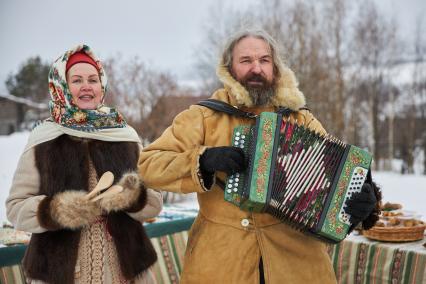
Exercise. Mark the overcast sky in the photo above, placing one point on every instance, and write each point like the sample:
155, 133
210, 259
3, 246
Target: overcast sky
163, 33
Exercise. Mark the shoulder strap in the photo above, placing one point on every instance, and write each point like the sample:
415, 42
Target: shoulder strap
284, 111
226, 108
229, 109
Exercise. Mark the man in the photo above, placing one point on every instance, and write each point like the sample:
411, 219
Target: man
226, 244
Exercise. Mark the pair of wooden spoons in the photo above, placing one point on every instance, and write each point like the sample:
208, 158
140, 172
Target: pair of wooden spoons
104, 182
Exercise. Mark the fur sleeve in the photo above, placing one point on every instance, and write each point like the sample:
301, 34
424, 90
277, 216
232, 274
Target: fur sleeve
153, 207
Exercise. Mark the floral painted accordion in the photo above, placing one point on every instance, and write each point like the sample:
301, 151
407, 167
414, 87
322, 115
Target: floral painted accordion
297, 175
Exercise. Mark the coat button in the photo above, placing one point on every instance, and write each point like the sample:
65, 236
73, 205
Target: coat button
245, 222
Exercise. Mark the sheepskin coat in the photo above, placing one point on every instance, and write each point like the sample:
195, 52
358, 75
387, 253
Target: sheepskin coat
226, 244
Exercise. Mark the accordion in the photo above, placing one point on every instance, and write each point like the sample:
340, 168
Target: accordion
297, 175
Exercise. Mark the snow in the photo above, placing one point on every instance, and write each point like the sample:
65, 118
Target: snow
408, 190
11, 148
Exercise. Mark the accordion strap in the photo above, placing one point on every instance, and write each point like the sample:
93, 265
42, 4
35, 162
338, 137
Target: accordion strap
226, 108
229, 109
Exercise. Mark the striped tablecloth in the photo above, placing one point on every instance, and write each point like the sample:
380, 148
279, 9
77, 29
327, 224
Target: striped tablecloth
360, 260
355, 260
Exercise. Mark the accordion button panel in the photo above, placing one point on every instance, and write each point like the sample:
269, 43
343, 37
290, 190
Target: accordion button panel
245, 222
355, 184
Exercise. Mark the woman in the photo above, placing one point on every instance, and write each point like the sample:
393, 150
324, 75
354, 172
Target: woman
76, 239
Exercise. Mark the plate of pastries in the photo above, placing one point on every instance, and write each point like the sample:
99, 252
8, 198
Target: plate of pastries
9, 236
397, 225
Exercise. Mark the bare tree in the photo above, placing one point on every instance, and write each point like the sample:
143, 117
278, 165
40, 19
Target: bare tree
335, 13
373, 55
418, 97
135, 88
218, 26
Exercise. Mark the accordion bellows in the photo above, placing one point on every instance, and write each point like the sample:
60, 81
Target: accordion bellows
297, 175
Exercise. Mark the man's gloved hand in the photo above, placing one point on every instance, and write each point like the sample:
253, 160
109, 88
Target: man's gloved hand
226, 159
361, 204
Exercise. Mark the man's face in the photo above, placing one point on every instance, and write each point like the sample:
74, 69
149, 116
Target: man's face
252, 63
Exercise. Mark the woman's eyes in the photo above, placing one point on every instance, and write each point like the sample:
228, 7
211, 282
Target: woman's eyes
76, 81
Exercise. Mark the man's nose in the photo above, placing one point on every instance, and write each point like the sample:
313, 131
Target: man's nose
256, 68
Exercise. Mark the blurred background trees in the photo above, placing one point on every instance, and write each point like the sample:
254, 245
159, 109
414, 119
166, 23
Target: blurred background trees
30, 80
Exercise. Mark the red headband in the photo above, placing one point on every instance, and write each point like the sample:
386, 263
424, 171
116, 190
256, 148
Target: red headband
80, 57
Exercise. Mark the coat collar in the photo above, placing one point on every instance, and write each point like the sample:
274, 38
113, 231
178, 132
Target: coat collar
286, 94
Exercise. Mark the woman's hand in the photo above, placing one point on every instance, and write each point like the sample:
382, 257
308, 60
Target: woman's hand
126, 199
69, 209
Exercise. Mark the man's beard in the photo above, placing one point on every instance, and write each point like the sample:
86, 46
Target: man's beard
260, 94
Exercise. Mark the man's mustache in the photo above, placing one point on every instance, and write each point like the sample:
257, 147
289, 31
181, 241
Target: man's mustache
255, 78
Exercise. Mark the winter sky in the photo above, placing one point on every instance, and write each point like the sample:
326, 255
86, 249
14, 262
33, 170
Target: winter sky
163, 33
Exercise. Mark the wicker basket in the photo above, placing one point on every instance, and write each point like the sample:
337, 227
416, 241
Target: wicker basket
396, 234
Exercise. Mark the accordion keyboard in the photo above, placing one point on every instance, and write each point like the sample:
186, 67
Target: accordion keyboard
235, 183
357, 180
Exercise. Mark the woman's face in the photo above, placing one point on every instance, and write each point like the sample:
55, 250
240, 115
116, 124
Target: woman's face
85, 85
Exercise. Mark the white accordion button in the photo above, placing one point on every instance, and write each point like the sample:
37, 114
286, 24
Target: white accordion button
245, 222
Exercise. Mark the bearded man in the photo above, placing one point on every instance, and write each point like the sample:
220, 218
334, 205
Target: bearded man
226, 244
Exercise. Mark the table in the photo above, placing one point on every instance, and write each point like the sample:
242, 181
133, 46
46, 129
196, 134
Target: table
355, 260
361, 260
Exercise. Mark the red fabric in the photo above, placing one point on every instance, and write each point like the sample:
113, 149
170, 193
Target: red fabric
80, 57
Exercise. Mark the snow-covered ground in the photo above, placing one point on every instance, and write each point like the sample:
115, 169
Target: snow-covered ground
409, 190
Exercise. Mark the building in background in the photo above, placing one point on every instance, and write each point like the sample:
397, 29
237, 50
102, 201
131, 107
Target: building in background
19, 113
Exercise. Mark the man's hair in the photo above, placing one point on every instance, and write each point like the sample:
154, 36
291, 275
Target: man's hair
256, 33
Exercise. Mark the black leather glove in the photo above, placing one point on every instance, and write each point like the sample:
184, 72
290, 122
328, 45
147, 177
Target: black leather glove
226, 159
361, 204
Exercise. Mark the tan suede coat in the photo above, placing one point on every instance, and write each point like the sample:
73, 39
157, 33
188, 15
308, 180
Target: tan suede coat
222, 248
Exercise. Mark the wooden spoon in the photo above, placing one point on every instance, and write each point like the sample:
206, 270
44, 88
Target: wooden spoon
111, 191
104, 182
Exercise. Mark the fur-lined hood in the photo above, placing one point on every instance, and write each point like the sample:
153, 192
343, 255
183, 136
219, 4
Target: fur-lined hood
286, 94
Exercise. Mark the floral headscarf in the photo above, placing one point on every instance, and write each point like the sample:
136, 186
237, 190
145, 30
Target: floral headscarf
65, 112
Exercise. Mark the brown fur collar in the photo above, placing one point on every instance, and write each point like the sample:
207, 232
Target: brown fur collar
287, 93
63, 165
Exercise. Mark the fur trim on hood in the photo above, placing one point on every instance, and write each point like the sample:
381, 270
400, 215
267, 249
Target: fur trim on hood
286, 94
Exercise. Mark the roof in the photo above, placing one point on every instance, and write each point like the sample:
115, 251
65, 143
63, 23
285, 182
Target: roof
24, 101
